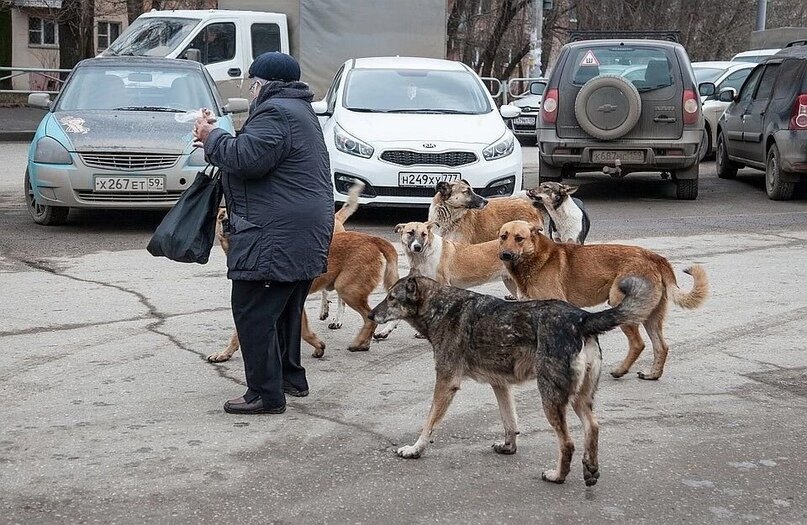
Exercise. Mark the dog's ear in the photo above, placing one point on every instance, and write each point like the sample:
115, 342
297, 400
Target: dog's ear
568, 190
465, 182
411, 287
429, 225
399, 228
444, 189
536, 229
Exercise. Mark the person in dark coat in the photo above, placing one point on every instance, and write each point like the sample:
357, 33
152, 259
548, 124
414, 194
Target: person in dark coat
277, 187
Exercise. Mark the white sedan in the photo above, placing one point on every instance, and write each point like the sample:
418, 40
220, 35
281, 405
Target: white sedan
401, 125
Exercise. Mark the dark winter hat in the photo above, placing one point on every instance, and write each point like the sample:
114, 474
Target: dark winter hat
275, 66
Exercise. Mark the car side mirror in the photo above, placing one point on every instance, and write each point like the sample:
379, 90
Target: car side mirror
236, 105
192, 54
39, 100
727, 95
707, 89
509, 111
320, 108
537, 88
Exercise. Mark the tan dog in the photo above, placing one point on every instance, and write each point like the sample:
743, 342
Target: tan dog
463, 216
589, 275
357, 264
447, 262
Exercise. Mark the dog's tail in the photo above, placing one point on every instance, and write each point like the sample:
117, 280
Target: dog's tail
351, 204
640, 299
391, 260
696, 296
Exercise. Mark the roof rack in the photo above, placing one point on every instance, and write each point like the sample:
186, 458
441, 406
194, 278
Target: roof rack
578, 35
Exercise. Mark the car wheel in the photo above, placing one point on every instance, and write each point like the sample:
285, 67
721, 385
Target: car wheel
41, 213
777, 189
623, 114
726, 168
686, 186
706, 143
547, 173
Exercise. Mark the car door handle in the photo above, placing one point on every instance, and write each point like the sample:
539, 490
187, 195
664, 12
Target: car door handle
234, 72
664, 119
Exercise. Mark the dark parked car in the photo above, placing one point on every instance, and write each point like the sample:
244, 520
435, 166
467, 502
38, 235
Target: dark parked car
623, 106
765, 126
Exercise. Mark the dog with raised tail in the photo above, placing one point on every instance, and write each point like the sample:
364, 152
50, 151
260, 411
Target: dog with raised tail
504, 343
568, 220
590, 275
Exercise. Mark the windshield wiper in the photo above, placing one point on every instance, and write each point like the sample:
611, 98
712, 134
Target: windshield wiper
367, 110
149, 108
427, 111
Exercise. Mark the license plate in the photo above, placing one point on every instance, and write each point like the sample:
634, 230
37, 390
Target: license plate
130, 184
425, 180
524, 121
612, 155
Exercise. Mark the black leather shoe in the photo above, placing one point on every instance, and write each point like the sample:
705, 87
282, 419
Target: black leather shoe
290, 390
241, 406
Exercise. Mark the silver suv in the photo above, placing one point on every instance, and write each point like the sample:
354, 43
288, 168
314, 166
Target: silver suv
623, 106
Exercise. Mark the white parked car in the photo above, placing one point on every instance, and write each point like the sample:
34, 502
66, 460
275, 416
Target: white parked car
725, 75
401, 125
755, 56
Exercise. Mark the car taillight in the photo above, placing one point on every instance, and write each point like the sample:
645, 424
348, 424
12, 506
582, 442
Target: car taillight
798, 118
549, 106
691, 105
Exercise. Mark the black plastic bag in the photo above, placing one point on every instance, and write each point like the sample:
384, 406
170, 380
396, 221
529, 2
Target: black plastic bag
187, 232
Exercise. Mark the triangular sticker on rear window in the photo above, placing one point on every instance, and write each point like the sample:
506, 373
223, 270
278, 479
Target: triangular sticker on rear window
589, 59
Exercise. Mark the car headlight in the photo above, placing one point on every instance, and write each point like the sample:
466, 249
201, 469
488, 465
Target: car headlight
501, 148
197, 157
347, 143
50, 151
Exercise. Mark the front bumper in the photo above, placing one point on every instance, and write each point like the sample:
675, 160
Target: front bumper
74, 185
792, 146
662, 154
526, 129
382, 183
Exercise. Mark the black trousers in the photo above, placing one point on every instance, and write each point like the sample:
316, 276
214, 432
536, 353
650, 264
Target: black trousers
267, 317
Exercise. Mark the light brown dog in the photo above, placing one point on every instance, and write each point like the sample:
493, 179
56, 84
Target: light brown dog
357, 264
464, 216
447, 262
589, 275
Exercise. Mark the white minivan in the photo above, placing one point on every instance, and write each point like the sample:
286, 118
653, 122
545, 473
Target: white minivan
401, 125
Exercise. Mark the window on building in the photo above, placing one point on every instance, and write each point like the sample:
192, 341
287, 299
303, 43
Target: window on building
107, 33
42, 32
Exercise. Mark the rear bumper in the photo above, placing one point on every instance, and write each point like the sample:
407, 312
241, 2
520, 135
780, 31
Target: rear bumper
658, 154
793, 151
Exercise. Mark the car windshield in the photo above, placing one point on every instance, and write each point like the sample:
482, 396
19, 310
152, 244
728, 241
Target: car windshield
707, 74
415, 91
647, 68
152, 37
138, 88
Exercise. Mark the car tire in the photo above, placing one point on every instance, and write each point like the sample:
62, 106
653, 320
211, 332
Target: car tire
686, 187
726, 168
41, 213
777, 189
632, 97
706, 143
547, 173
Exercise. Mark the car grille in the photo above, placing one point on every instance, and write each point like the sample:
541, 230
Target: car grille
129, 161
122, 196
395, 191
411, 158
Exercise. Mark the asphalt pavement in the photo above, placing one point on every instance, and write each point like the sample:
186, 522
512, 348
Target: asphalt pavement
111, 414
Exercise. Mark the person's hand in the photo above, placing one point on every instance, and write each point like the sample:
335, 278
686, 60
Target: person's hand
202, 128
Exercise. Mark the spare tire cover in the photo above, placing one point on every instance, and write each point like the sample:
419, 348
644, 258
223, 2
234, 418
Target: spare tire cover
607, 107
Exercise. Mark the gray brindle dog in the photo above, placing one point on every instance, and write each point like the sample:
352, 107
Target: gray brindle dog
504, 343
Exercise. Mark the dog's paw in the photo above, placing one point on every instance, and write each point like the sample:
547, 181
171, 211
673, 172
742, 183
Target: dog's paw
335, 325
218, 357
616, 373
552, 476
319, 351
591, 473
378, 336
409, 452
419, 336
509, 297
648, 377
504, 448
362, 348
323, 315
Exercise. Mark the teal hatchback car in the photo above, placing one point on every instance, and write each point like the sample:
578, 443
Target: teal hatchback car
118, 135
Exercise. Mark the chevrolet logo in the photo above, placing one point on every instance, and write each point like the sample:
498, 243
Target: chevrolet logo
607, 108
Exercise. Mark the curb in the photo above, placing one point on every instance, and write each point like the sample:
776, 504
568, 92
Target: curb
17, 136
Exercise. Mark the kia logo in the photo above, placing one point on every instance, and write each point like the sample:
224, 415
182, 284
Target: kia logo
429, 145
